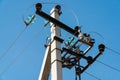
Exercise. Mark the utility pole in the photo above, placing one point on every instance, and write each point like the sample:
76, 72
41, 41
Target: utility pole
56, 66
71, 54
52, 56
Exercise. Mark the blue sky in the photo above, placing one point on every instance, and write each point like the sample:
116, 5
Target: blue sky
24, 59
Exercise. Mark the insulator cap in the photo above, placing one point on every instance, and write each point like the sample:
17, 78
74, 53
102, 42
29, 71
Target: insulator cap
77, 27
58, 7
38, 6
89, 59
101, 47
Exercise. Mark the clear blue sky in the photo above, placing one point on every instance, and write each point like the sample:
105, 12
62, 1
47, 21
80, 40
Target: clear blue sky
23, 61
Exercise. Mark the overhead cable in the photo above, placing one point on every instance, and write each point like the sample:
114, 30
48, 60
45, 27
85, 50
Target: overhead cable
118, 70
93, 76
118, 53
19, 54
13, 43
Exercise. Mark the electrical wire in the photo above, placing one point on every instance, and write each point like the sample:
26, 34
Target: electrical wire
19, 35
13, 43
22, 51
118, 53
93, 76
77, 20
100, 35
72, 12
118, 70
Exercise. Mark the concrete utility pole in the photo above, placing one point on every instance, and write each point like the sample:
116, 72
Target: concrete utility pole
71, 54
56, 66
52, 56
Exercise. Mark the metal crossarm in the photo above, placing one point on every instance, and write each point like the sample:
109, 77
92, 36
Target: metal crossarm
56, 22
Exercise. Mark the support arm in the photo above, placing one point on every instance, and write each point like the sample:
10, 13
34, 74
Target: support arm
54, 21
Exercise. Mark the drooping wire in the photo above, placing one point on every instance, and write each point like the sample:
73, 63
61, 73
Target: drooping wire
13, 43
108, 49
105, 42
93, 76
22, 51
19, 35
100, 35
118, 70
74, 14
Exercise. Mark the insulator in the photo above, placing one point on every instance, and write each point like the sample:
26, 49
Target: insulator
77, 29
59, 9
38, 6
89, 59
101, 47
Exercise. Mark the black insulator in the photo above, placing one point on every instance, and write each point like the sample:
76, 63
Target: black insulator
101, 47
89, 59
45, 45
77, 28
38, 6
58, 7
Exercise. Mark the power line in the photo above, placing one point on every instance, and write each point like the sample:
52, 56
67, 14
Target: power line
118, 70
18, 56
7, 50
93, 76
118, 53
105, 42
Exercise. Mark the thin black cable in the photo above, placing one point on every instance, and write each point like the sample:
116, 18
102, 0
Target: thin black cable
18, 56
93, 76
7, 50
118, 70
118, 53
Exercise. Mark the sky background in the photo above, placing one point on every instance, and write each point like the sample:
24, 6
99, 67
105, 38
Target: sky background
23, 60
